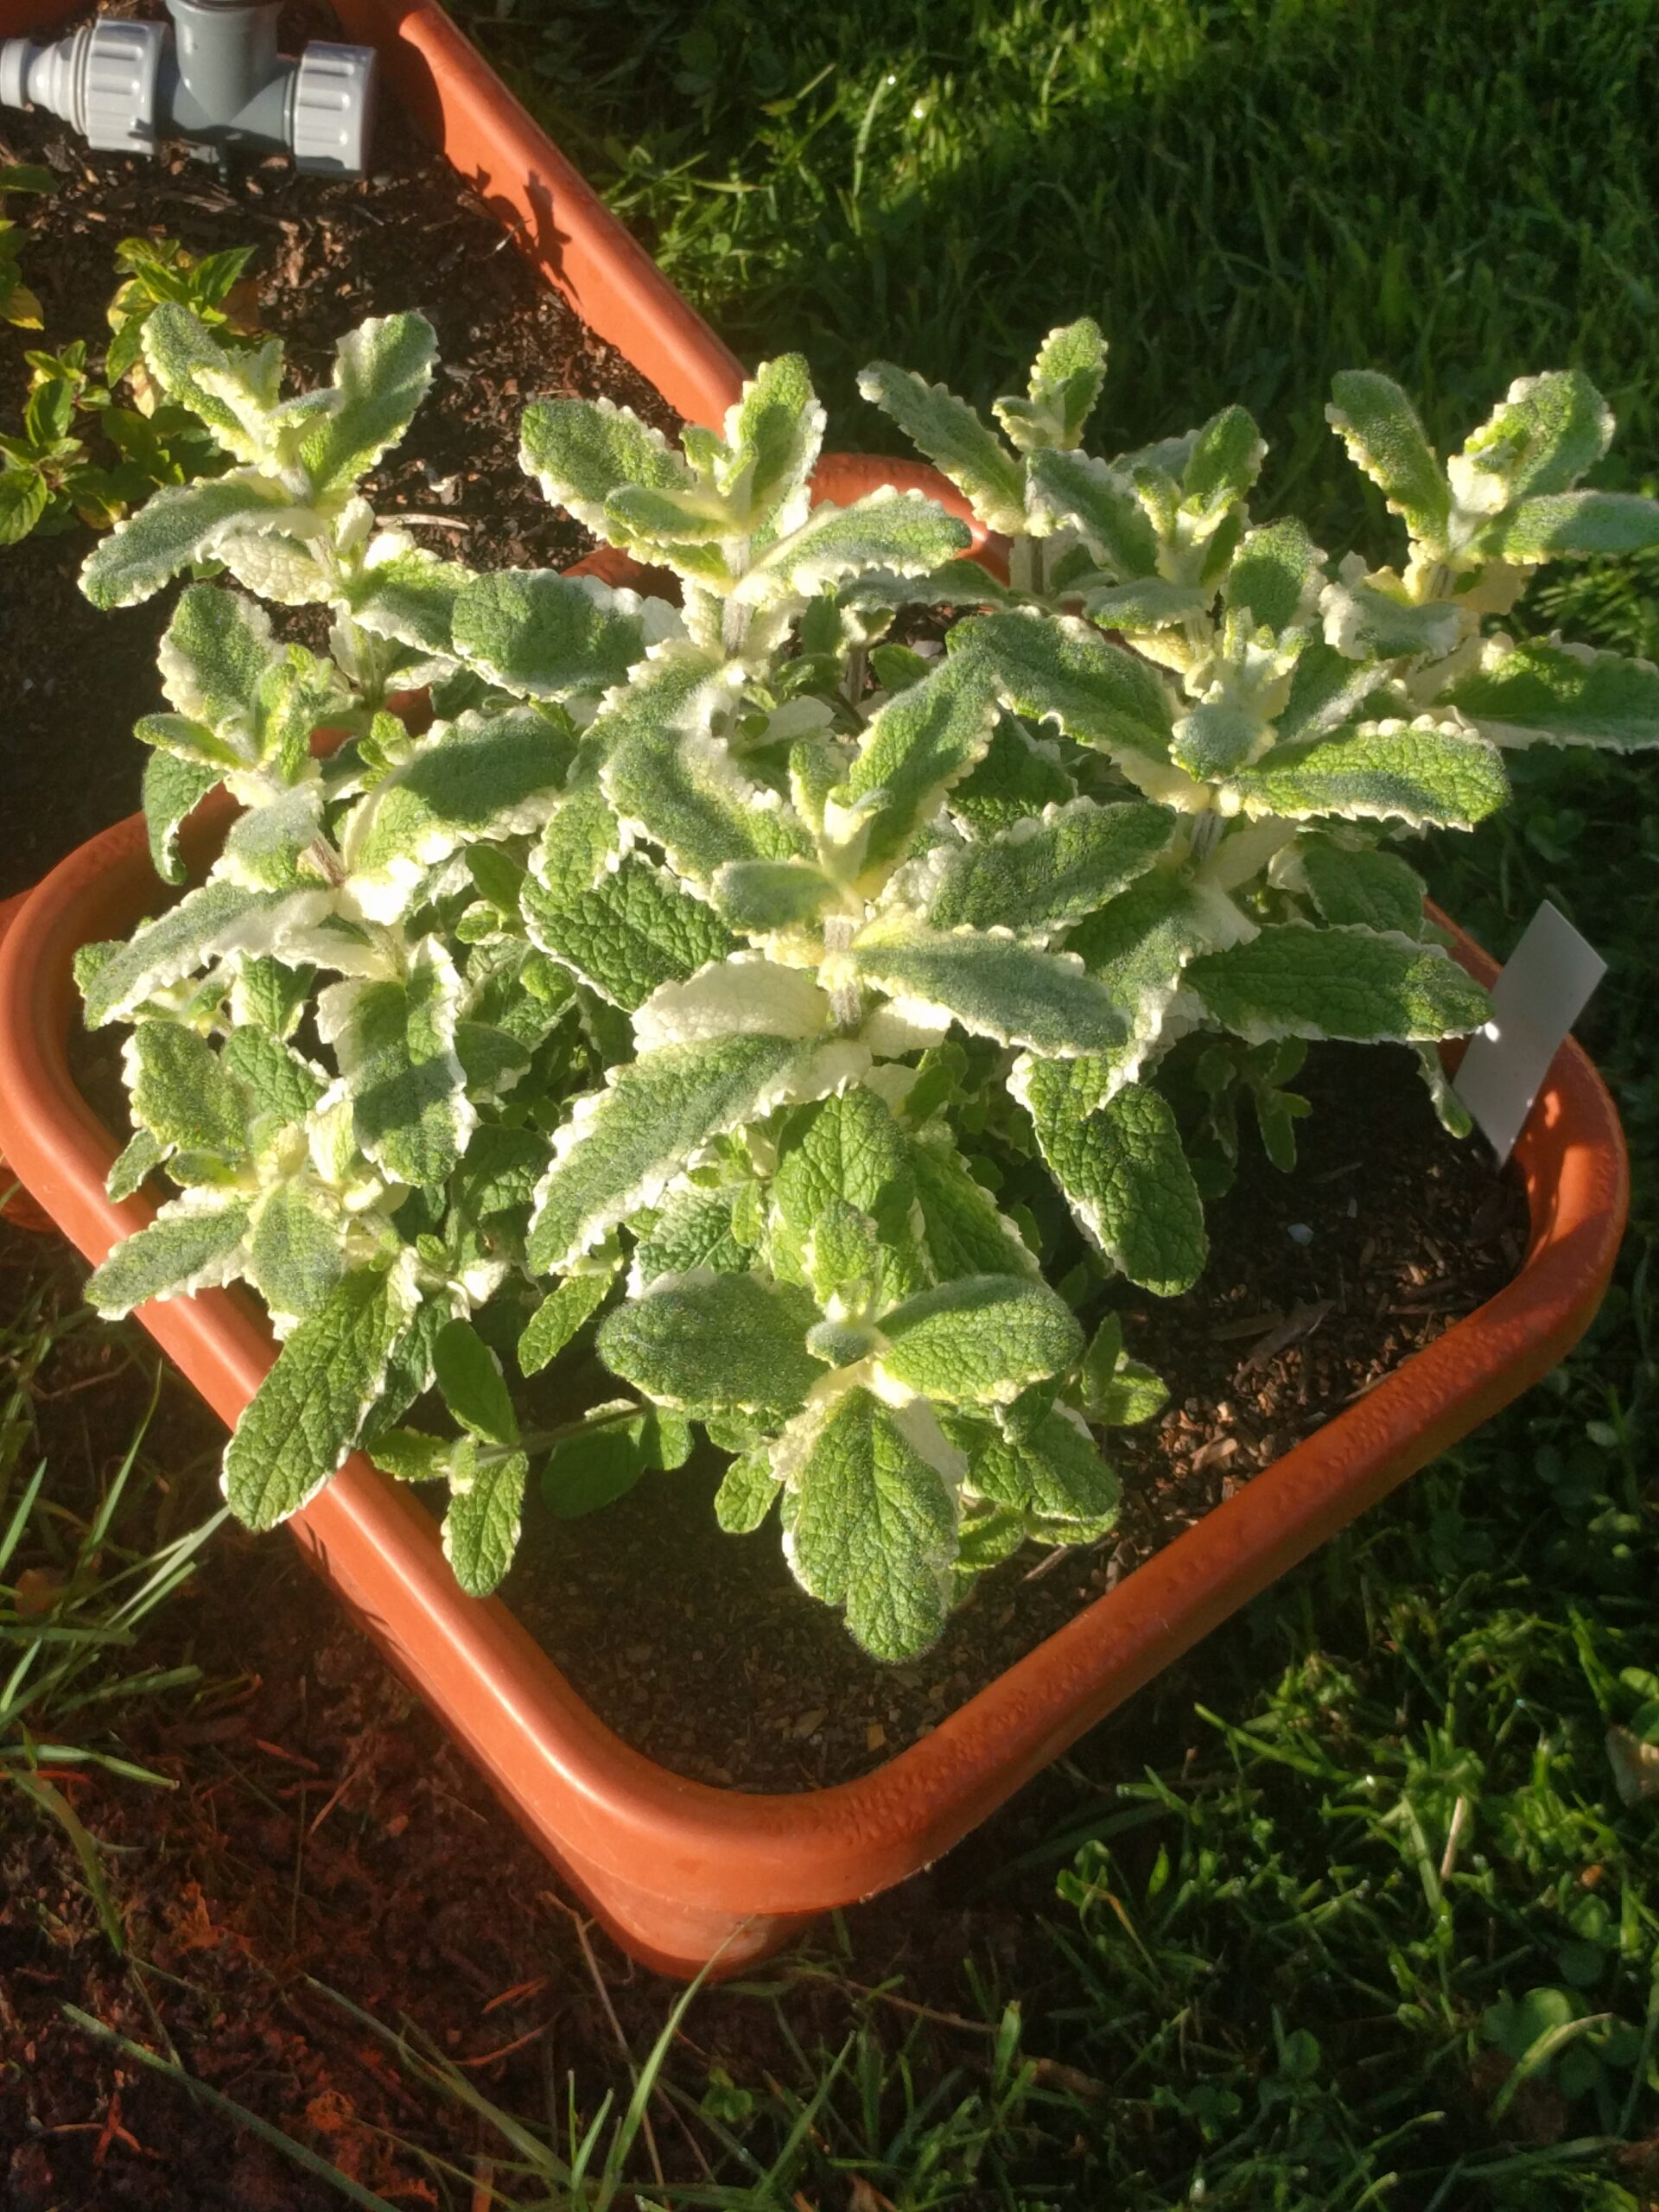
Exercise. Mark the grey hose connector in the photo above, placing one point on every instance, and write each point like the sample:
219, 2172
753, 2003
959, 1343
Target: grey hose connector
214, 78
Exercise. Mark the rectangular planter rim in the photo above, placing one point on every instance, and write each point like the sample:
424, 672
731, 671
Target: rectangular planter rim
775, 1848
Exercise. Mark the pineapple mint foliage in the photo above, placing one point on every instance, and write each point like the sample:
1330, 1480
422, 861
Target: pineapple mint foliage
809, 1024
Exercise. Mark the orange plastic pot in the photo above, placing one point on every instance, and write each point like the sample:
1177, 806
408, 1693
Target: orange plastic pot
674, 1868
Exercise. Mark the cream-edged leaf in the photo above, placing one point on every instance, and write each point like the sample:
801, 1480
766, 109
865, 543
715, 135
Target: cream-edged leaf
915, 748
1425, 773
395, 1042
633, 930
582, 451
1122, 1165
1044, 871
1074, 491
1534, 693
903, 531
979, 1340
995, 986
710, 1342
959, 443
1358, 984
1065, 384
548, 636
1380, 427
745, 994
195, 1242
173, 789
219, 918
383, 370
181, 523
1056, 667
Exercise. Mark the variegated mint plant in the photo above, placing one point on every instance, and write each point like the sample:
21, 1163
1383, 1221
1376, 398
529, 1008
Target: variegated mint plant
1296, 719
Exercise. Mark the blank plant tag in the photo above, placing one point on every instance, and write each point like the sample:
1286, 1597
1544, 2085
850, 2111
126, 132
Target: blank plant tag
1541, 994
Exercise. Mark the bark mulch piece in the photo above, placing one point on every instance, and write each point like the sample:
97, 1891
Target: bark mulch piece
330, 252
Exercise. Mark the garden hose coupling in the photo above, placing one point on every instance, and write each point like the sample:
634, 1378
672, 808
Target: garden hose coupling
212, 77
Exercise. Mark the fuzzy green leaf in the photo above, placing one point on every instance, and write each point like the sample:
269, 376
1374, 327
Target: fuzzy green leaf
683, 789
481, 1529
773, 432
556, 1321
872, 1523
1275, 576
692, 1231
1225, 462
1574, 527
298, 1427
845, 1150
1073, 489
1380, 427
181, 1092
1065, 381
1540, 438
547, 636
1015, 777
220, 918
486, 776
1215, 738
469, 1374
1047, 1468
295, 1258
955, 439
980, 1340
915, 747
761, 896
624, 1144
1359, 984
396, 1046
383, 370
905, 532
1378, 890
745, 1494
1536, 693
194, 1243
633, 931
1055, 666
1424, 774
1137, 945
994, 986
714, 1342
582, 451
177, 526
962, 1228
1365, 623
1122, 1167
212, 654
408, 595
1044, 873
173, 789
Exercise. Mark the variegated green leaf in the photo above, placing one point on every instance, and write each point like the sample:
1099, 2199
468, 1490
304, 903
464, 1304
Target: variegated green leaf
758, 897
903, 531
1573, 527
1553, 694
1044, 871
195, 1242
1423, 773
772, 433
1122, 1165
692, 1231
1224, 462
212, 654
914, 749
1540, 438
1016, 776
279, 1088
408, 595
469, 1373
295, 1259
714, 1341
1137, 945
994, 986
1329, 692
1216, 738
634, 930
980, 1340
745, 995
1073, 490
298, 1427
396, 1046
383, 370
547, 636
1053, 666
220, 918
842, 1151
1379, 426
1148, 603
180, 1093
747, 1491
1358, 984
872, 1521
1275, 576
175, 526
1366, 623
486, 776
173, 789
582, 451
1065, 381
684, 792
270, 848
955, 439
1047, 1468
1361, 886
138, 1158
232, 394
962, 1229
565, 1311
623, 1144
481, 1528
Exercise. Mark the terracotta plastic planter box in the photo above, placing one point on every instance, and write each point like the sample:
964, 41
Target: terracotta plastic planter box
675, 1868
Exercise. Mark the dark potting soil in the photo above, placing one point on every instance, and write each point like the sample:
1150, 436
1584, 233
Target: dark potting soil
329, 254
700, 1649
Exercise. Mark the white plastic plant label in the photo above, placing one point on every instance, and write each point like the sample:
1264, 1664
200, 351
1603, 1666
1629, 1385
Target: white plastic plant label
1544, 988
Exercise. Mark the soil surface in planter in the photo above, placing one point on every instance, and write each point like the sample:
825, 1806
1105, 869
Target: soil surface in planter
700, 1649
328, 253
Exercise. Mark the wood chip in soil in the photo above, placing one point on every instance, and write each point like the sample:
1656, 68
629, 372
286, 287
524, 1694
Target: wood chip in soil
699, 1649
329, 253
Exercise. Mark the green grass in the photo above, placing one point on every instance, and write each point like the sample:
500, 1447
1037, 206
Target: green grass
1371, 1926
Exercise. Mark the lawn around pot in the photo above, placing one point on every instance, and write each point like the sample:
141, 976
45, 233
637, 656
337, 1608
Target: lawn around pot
846, 1016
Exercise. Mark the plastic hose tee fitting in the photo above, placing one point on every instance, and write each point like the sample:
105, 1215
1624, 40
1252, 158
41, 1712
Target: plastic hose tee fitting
212, 77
